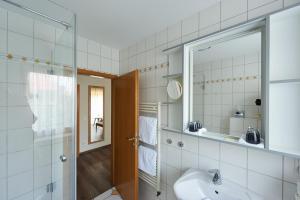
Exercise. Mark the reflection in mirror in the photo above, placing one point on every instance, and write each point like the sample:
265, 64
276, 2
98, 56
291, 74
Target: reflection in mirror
226, 94
96, 116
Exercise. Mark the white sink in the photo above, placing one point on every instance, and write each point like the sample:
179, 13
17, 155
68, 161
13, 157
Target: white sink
198, 185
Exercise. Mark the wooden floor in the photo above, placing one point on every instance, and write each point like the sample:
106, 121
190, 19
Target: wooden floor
93, 173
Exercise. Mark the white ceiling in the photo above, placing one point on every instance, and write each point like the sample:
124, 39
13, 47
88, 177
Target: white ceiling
233, 48
120, 23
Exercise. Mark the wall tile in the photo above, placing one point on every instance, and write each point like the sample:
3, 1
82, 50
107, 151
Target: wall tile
209, 148
20, 184
190, 25
266, 186
3, 189
94, 62
19, 139
141, 47
290, 2
3, 167
258, 3
17, 95
189, 37
82, 44
3, 94
190, 143
161, 37
3, 18
3, 72
174, 157
94, 47
44, 31
189, 160
20, 45
150, 42
115, 67
20, 24
27, 196
18, 72
263, 10
63, 37
290, 169
265, 162
82, 60
19, 117
234, 155
3, 118
172, 175
234, 21
106, 65
210, 16
234, 174
43, 50
232, 8
174, 32
105, 51
206, 163
3, 39
63, 54
115, 54
20, 162
289, 191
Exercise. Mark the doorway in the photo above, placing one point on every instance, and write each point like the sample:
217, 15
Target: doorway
94, 158
107, 141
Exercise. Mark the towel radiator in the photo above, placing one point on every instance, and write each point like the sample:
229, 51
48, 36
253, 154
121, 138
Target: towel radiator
152, 109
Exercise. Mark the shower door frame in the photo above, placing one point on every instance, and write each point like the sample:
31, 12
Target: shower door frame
73, 147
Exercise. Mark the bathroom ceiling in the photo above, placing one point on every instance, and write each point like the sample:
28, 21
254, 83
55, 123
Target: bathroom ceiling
119, 23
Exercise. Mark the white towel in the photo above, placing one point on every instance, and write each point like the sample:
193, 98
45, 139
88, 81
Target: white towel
148, 130
147, 160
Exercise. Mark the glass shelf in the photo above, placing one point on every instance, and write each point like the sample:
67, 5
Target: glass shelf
172, 76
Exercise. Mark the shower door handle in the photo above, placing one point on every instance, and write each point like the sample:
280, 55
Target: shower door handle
63, 158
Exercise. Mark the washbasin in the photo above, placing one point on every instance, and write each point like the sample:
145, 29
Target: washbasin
197, 185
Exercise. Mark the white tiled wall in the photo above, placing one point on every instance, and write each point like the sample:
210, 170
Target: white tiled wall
271, 175
94, 56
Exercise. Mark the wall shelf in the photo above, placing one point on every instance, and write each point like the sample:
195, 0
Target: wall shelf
172, 76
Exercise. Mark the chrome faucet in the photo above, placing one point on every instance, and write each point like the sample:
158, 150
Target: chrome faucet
217, 179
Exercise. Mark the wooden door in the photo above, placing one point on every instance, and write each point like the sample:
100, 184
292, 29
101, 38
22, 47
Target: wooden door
125, 134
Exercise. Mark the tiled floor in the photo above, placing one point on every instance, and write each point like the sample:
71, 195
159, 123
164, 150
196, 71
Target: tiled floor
108, 196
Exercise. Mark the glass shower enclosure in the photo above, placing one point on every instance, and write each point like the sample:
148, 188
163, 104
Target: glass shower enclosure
37, 101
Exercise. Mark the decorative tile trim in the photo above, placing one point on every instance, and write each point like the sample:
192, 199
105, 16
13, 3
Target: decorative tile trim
155, 67
227, 80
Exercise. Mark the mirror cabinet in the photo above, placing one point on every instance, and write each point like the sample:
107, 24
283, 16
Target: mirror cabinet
242, 85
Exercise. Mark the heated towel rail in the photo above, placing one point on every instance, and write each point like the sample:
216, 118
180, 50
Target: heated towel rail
154, 110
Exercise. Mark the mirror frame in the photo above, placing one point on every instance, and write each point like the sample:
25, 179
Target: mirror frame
89, 113
259, 25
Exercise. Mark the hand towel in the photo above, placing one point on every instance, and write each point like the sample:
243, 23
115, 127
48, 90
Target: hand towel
148, 130
147, 160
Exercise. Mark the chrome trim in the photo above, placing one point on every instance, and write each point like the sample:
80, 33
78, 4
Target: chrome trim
67, 25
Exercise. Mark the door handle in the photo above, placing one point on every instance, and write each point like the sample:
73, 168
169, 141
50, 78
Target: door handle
63, 158
133, 138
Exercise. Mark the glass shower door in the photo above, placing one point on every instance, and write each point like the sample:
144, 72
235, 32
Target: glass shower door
37, 108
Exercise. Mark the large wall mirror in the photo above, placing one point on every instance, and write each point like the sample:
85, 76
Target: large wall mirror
241, 85
96, 114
